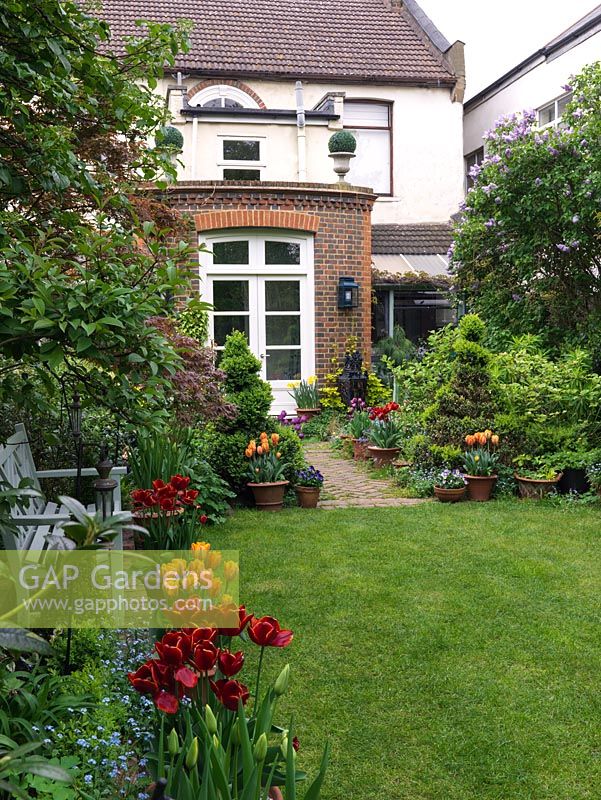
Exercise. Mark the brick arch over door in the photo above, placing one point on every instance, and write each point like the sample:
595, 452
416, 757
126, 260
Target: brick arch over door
291, 220
236, 84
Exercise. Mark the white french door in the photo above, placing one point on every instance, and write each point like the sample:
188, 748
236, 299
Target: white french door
269, 297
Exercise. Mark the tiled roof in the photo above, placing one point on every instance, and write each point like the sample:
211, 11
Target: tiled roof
420, 239
353, 40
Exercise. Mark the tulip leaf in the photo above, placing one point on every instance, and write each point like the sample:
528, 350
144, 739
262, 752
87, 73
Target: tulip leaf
314, 790
247, 753
290, 771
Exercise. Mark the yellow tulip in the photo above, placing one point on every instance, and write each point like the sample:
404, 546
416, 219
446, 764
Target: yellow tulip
213, 559
231, 570
196, 546
494, 440
215, 588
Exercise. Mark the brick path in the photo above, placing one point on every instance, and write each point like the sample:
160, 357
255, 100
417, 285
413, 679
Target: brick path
348, 485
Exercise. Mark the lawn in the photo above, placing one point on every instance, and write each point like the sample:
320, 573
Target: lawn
448, 652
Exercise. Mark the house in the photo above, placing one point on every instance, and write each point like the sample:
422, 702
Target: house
540, 82
261, 91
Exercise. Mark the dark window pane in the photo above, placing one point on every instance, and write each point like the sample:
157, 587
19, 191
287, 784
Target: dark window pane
216, 103
230, 295
241, 150
224, 325
229, 103
282, 296
546, 114
283, 365
282, 253
562, 103
282, 330
241, 174
230, 252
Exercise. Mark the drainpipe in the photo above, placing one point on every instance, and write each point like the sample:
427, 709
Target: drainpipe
300, 132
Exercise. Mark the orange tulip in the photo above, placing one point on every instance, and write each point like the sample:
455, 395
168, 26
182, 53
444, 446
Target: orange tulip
263, 436
278, 454
259, 450
265, 446
481, 438
494, 440
248, 452
470, 440
275, 438
252, 444
200, 546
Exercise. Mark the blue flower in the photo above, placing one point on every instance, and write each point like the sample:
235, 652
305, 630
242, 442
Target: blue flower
88, 778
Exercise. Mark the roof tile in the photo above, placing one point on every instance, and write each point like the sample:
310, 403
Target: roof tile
354, 40
419, 239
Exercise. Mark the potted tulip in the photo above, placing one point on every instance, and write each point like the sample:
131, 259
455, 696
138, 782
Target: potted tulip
169, 511
307, 486
305, 394
266, 472
480, 462
450, 486
358, 427
534, 478
222, 741
385, 434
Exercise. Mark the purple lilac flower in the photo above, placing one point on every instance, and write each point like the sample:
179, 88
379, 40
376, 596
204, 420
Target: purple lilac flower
567, 88
553, 150
489, 188
583, 143
498, 201
578, 113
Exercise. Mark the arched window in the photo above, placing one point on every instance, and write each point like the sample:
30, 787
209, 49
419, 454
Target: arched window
222, 96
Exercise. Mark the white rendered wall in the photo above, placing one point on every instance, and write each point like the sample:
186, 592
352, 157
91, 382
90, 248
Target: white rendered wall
427, 145
533, 90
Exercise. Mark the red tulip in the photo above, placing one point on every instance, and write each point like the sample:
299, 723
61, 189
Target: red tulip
189, 497
205, 656
243, 619
230, 663
186, 677
170, 656
266, 632
296, 743
204, 519
144, 679
199, 635
230, 692
179, 482
158, 484
180, 639
167, 702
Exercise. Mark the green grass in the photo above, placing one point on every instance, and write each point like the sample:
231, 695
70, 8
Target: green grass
448, 652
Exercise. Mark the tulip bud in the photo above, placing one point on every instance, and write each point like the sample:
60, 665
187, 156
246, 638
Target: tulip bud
210, 720
260, 749
192, 754
284, 748
281, 684
215, 742
173, 742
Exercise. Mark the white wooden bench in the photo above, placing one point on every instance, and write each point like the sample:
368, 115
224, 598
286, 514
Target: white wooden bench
40, 521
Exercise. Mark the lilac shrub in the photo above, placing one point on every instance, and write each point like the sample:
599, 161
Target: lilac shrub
527, 249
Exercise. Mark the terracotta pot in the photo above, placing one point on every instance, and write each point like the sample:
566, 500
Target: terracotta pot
479, 487
449, 495
383, 456
533, 488
308, 412
269, 496
308, 496
359, 450
275, 793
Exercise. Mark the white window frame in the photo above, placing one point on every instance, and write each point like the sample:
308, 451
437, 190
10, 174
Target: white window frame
352, 128
233, 137
256, 268
558, 117
223, 91
478, 157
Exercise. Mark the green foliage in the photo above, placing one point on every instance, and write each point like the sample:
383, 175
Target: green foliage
472, 328
243, 386
377, 392
324, 425
305, 393
527, 249
391, 352
193, 320
85, 258
170, 136
342, 142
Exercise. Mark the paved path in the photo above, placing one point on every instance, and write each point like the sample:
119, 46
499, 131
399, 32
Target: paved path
347, 483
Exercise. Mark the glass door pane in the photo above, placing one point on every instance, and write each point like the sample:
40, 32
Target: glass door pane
282, 329
231, 309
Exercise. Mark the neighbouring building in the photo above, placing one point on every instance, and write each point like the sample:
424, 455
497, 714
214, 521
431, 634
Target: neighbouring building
264, 86
536, 83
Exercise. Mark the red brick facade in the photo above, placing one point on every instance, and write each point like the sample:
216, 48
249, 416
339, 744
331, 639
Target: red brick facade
339, 218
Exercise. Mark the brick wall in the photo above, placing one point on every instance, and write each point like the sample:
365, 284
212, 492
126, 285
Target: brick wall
340, 220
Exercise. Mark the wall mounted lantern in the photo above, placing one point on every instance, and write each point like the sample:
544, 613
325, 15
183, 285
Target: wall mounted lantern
348, 293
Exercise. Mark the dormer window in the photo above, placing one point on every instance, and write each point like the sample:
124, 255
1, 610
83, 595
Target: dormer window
221, 95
